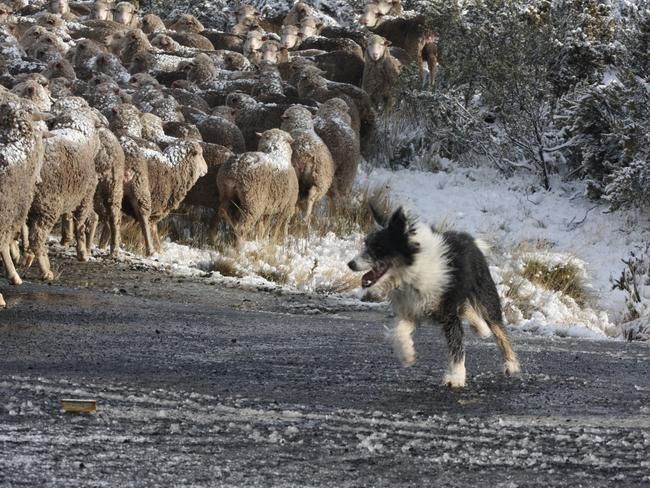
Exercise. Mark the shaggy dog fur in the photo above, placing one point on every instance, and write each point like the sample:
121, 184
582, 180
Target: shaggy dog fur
431, 275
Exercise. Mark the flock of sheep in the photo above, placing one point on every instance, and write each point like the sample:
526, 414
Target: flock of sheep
105, 112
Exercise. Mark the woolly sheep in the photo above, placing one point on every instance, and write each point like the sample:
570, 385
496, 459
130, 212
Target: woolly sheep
381, 73
256, 186
160, 181
187, 23
101, 10
126, 14
21, 154
310, 158
333, 124
221, 129
152, 23
68, 180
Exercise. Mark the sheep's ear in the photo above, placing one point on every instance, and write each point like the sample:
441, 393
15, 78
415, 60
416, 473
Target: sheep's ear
258, 134
379, 218
290, 140
387, 43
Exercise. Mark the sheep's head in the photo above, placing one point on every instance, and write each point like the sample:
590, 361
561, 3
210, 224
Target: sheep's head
125, 120
15, 122
270, 50
290, 36
296, 117
59, 7
164, 42
239, 100
124, 13
187, 23
50, 21
101, 10
5, 13
246, 12
371, 16
377, 47
225, 112
196, 159
309, 27
274, 140
152, 23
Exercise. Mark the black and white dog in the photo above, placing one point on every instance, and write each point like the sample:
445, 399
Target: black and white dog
431, 275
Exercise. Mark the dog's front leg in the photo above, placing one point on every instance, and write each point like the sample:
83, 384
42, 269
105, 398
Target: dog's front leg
401, 337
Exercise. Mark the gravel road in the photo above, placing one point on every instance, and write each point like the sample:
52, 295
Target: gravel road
205, 385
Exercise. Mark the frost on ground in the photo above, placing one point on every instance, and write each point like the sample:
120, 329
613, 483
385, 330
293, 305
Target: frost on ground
553, 230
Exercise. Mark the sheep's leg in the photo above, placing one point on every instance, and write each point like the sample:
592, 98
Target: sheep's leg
3, 304
115, 222
312, 195
14, 251
66, 229
432, 62
91, 228
155, 236
81, 216
40, 227
214, 226
104, 235
12, 276
24, 237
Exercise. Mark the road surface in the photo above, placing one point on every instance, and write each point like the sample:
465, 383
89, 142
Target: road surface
205, 385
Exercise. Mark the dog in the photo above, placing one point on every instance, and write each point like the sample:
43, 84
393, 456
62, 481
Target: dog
437, 276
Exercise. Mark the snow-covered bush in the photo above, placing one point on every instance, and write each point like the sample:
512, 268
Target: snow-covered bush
635, 282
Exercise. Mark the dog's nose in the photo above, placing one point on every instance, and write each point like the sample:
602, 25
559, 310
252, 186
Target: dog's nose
352, 265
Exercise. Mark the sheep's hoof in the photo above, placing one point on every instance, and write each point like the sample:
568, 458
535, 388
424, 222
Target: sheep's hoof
28, 260
83, 257
47, 276
2, 303
15, 280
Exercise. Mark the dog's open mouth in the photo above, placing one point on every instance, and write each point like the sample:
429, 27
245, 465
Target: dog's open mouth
372, 276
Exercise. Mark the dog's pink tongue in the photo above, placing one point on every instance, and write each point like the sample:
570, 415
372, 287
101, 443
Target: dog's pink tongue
369, 278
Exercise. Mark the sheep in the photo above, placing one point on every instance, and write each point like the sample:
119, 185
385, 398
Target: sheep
126, 14
134, 42
247, 17
68, 180
309, 27
253, 117
101, 10
341, 66
201, 69
310, 157
290, 36
152, 23
160, 181
330, 44
253, 43
375, 12
192, 39
183, 130
225, 40
259, 185
221, 129
109, 64
298, 12
21, 155
269, 51
333, 124
380, 73
412, 35
187, 23
61, 68
109, 165
35, 92
83, 56
62, 8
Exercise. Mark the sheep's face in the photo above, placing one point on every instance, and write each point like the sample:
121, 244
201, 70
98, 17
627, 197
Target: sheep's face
371, 15
377, 47
309, 27
124, 13
270, 51
5, 13
275, 140
290, 36
254, 40
59, 7
385, 6
101, 11
198, 161
238, 100
164, 42
50, 21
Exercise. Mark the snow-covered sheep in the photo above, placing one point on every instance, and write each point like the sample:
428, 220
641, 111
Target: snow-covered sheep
376, 11
192, 39
299, 12
222, 129
102, 10
160, 181
35, 92
21, 154
256, 186
333, 124
61, 68
380, 73
201, 69
310, 157
253, 44
68, 180
109, 165
134, 42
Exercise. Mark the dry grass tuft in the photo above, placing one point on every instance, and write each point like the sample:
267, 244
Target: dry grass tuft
566, 278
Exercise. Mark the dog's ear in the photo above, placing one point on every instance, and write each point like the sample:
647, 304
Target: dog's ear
379, 217
399, 220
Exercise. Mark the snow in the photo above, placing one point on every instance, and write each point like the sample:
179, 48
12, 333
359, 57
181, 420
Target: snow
555, 227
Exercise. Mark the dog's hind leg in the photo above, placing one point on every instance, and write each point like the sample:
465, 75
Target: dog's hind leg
455, 375
510, 361
401, 337
472, 314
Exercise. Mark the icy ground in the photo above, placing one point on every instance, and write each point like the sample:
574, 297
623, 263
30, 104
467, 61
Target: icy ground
561, 225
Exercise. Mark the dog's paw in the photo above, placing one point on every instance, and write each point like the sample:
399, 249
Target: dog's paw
511, 368
407, 358
453, 380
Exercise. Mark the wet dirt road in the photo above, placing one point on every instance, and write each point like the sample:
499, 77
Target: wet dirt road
204, 385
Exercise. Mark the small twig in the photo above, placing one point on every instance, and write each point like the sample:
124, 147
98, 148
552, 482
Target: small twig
572, 225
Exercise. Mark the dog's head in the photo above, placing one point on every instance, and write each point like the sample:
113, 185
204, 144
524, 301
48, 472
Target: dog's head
388, 249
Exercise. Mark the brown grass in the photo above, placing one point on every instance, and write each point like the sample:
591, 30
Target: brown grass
565, 278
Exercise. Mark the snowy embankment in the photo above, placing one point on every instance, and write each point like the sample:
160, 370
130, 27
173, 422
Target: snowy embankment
555, 227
